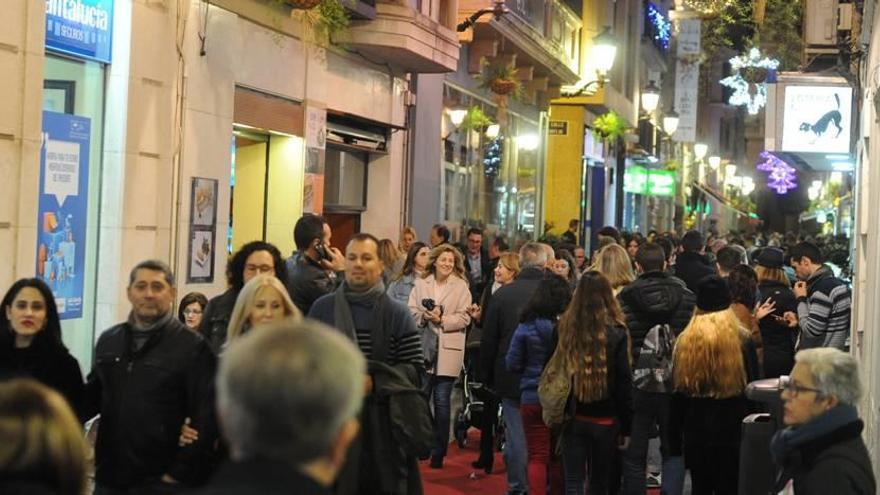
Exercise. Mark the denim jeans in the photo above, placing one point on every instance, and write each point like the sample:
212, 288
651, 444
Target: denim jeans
650, 409
515, 447
441, 394
585, 443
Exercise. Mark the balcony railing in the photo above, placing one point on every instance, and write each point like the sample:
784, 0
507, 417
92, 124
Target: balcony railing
556, 23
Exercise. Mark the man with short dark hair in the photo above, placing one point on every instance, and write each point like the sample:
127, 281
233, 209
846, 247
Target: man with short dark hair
151, 374
477, 263
387, 336
608, 232
570, 235
315, 269
439, 235
691, 265
727, 259
497, 247
288, 399
824, 301
655, 298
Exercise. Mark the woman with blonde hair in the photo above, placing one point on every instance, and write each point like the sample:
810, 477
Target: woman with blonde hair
407, 237
262, 300
439, 302
594, 346
614, 262
42, 448
714, 359
391, 258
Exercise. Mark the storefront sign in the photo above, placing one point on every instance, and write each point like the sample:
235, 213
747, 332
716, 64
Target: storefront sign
83, 28
558, 128
817, 119
63, 208
687, 78
639, 180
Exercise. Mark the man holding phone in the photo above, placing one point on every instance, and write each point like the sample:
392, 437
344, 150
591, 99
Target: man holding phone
316, 268
824, 301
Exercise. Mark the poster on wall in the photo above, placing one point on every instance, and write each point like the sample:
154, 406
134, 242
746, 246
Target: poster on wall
82, 28
817, 119
687, 78
202, 227
63, 209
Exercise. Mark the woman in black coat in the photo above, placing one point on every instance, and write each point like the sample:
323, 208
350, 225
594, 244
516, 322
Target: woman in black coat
30, 341
777, 336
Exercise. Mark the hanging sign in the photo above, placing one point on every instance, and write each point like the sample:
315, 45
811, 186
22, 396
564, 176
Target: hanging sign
63, 209
82, 28
687, 78
817, 119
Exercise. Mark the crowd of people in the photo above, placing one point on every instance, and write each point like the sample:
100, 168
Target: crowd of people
332, 372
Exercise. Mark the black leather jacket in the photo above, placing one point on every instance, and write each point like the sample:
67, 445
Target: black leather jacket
307, 281
144, 397
215, 321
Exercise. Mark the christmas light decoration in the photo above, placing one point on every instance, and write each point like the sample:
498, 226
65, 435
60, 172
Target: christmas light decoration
492, 158
659, 26
781, 176
756, 70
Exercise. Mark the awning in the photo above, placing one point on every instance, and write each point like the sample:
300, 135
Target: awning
721, 199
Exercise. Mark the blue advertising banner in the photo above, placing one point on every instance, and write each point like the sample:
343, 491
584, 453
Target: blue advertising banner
63, 208
83, 28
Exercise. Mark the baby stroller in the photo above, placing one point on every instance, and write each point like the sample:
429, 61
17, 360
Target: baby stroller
477, 401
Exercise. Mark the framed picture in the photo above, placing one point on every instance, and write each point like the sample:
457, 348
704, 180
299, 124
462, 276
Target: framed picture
200, 268
203, 210
59, 96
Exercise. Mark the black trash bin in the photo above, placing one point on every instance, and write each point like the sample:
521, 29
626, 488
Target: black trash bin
756, 468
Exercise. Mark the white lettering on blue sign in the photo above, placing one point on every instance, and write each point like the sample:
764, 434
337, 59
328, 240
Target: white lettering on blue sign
93, 16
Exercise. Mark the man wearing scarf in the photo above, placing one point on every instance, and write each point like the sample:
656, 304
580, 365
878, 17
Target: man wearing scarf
387, 335
821, 451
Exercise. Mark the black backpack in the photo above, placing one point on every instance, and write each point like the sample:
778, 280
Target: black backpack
652, 371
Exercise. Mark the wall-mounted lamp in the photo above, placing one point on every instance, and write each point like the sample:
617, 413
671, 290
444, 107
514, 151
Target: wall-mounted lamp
701, 150
730, 170
714, 162
603, 52
650, 98
670, 122
497, 10
492, 131
457, 115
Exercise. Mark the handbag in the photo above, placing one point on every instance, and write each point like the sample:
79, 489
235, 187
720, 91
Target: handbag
554, 389
653, 370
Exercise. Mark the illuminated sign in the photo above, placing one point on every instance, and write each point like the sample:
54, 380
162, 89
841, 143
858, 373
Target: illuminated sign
817, 119
639, 180
83, 28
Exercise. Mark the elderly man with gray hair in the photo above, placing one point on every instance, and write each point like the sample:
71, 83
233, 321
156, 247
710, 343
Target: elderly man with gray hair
288, 398
821, 451
500, 320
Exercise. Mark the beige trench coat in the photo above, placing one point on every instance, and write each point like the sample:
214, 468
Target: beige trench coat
455, 297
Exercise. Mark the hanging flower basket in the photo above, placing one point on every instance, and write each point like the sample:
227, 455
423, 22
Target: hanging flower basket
754, 75
502, 86
303, 4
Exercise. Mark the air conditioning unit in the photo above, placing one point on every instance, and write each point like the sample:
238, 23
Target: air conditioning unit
820, 23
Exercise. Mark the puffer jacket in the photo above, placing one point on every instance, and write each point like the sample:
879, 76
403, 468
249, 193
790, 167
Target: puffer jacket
529, 351
655, 298
692, 267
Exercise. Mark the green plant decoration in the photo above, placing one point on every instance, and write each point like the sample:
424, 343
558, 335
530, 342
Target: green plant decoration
610, 126
503, 80
323, 22
475, 120
672, 165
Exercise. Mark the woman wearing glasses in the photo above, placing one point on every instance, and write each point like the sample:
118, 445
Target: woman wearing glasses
254, 258
822, 451
191, 309
714, 359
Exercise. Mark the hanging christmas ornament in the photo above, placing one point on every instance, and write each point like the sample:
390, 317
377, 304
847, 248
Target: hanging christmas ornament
781, 176
750, 71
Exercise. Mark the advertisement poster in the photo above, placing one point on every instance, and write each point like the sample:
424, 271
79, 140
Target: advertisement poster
63, 209
83, 28
202, 227
687, 79
817, 119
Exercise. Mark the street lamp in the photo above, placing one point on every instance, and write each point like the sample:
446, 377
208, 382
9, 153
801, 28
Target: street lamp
700, 151
492, 131
715, 162
603, 53
730, 170
670, 122
650, 98
457, 115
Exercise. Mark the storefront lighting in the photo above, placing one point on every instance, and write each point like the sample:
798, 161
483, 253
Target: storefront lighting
836, 178
604, 52
700, 150
843, 166
457, 115
492, 131
528, 142
650, 98
670, 122
714, 162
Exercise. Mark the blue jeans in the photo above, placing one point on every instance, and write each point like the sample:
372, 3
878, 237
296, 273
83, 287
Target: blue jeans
515, 454
650, 409
441, 393
585, 443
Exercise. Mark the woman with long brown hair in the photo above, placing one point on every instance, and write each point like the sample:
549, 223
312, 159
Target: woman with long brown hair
714, 359
595, 347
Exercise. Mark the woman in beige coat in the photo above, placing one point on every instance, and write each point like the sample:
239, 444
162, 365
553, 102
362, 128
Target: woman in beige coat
439, 303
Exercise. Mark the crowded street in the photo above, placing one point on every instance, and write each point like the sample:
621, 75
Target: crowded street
407, 247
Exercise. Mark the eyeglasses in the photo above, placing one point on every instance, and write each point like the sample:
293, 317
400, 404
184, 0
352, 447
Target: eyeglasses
259, 268
192, 312
794, 389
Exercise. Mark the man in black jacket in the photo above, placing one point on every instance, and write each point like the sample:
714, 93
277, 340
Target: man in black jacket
655, 298
500, 321
289, 399
477, 263
316, 268
691, 265
151, 375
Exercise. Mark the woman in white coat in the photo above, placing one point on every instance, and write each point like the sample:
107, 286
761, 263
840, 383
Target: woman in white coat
439, 303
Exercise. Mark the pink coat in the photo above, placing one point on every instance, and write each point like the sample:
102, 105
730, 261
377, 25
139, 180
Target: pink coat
455, 297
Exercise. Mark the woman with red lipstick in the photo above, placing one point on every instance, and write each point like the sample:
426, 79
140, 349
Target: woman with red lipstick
30, 341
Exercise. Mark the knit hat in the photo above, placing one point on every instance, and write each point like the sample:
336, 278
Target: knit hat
771, 258
713, 294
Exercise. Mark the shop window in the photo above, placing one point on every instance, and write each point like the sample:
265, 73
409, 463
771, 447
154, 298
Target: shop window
345, 179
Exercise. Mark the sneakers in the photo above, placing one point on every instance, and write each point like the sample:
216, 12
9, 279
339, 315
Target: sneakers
653, 480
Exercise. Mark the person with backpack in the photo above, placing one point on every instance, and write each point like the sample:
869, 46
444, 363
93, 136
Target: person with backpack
592, 393
653, 300
532, 344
